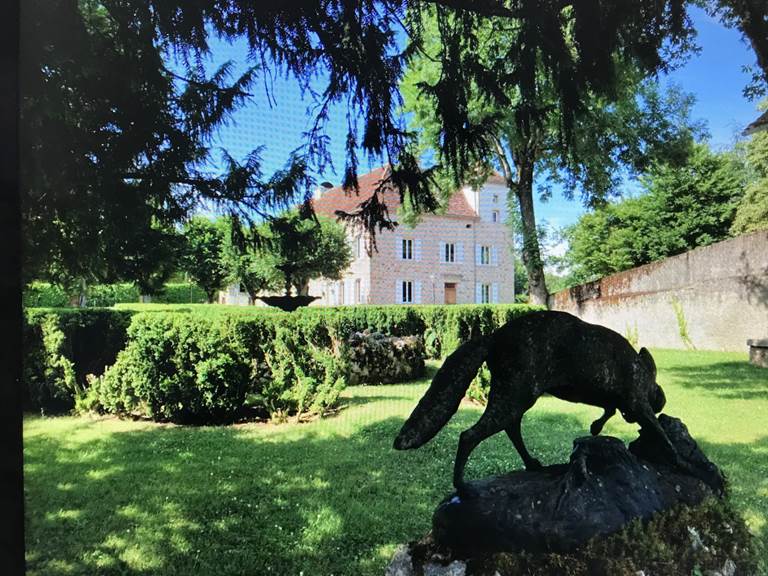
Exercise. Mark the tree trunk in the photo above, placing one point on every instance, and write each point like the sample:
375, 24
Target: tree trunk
537, 286
82, 298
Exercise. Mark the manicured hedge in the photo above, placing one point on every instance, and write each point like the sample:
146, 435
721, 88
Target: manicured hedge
44, 295
63, 346
180, 293
194, 368
212, 363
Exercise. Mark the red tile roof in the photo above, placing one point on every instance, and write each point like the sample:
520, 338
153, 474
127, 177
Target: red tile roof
336, 198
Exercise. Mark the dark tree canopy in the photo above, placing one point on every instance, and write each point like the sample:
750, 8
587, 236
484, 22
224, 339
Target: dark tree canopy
105, 116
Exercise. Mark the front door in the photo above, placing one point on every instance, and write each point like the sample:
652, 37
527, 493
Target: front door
450, 293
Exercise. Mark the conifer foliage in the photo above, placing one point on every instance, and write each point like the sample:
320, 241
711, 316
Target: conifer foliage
117, 110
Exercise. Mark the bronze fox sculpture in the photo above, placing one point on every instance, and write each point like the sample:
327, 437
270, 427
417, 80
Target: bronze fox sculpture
542, 352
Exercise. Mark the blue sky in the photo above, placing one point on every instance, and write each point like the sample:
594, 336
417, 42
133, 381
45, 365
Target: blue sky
714, 76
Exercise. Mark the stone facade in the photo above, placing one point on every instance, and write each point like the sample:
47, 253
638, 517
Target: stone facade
711, 298
463, 256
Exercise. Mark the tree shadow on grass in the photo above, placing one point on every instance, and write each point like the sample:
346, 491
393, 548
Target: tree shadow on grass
724, 379
178, 500
228, 500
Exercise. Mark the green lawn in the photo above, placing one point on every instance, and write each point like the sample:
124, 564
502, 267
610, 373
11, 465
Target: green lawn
105, 496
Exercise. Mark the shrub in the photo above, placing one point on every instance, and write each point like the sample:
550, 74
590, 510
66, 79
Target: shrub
106, 295
178, 368
432, 344
44, 295
63, 346
459, 323
480, 386
205, 363
199, 368
180, 293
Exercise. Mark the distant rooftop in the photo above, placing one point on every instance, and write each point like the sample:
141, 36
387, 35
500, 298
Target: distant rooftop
336, 198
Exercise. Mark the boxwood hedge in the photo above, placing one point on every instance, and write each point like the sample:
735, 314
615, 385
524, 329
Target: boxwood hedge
209, 364
63, 346
44, 295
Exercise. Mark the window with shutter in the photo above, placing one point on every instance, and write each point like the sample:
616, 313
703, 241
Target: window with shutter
485, 293
449, 252
407, 292
485, 255
407, 249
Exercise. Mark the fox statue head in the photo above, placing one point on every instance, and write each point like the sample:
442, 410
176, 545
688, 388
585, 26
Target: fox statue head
656, 397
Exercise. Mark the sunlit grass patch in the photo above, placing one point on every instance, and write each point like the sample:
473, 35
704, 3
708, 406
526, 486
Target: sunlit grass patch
105, 496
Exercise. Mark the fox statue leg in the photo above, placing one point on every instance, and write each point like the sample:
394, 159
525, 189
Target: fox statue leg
514, 434
647, 419
597, 425
497, 417
484, 428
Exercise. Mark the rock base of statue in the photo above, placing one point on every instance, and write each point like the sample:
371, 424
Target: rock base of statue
562, 508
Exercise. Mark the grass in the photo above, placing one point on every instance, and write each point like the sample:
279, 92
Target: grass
105, 496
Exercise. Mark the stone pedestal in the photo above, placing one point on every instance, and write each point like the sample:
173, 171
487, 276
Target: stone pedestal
603, 487
758, 352
559, 512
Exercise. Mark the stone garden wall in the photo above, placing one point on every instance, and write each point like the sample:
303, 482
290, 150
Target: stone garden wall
711, 298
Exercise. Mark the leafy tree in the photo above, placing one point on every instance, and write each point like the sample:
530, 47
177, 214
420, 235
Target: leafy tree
752, 212
305, 248
246, 263
682, 208
115, 140
605, 136
202, 256
115, 103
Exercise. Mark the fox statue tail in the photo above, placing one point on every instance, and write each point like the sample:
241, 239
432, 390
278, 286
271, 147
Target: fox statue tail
444, 395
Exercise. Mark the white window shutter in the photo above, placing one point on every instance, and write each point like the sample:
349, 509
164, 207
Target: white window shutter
417, 293
478, 293
398, 291
495, 293
417, 249
478, 254
494, 256
398, 248
459, 252
441, 256
349, 291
